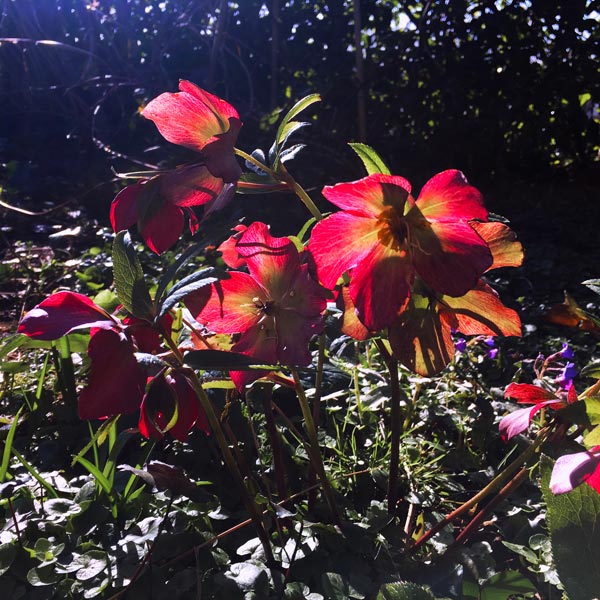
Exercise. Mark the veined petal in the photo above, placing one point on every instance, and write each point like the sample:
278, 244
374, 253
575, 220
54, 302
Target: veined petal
380, 286
448, 196
351, 324
294, 331
228, 249
502, 241
449, 257
573, 469
124, 209
340, 242
304, 295
191, 117
371, 195
518, 421
233, 306
62, 313
192, 185
528, 393
421, 339
480, 312
260, 342
273, 261
116, 383
162, 229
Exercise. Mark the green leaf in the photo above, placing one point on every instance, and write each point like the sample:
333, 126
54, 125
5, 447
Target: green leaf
8, 445
592, 409
98, 438
372, 161
97, 474
92, 564
301, 105
129, 278
7, 555
170, 273
504, 585
220, 360
575, 533
592, 438
404, 591
186, 286
592, 370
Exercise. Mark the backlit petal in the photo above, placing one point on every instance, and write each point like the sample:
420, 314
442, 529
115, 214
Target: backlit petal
448, 196
573, 469
351, 324
116, 382
163, 228
450, 257
480, 312
380, 286
62, 313
192, 185
124, 209
371, 195
339, 243
502, 241
528, 393
260, 342
232, 307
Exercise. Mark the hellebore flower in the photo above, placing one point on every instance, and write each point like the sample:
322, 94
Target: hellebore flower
518, 421
572, 470
384, 238
117, 382
275, 308
197, 120
421, 336
171, 404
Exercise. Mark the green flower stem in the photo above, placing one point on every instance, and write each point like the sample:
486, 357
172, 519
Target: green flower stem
497, 483
286, 178
396, 425
313, 448
316, 414
215, 425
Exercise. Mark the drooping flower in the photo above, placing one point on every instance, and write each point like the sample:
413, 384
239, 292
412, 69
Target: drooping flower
525, 393
421, 336
572, 470
384, 239
274, 309
197, 120
116, 382
171, 404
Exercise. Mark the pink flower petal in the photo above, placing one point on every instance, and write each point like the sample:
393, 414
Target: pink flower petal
518, 420
371, 195
573, 469
162, 228
450, 257
233, 306
273, 261
340, 242
62, 313
124, 209
448, 196
116, 383
231, 256
191, 117
380, 286
351, 324
192, 185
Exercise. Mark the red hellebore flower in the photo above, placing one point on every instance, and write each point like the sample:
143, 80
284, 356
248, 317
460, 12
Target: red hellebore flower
116, 382
525, 393
275, 308
171, 404
197, 120
384, 238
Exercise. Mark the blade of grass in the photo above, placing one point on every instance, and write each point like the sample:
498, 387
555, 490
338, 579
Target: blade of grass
31, 470
8, 446
102, 481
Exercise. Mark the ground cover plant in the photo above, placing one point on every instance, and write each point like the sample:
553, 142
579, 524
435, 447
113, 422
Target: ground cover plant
214, 411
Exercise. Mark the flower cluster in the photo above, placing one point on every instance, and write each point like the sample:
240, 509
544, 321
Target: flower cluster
415, 266
117, 383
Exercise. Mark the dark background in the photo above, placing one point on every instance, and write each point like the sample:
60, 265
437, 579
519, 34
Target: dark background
506, 91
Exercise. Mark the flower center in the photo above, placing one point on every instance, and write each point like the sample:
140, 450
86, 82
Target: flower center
264, 308
393, 230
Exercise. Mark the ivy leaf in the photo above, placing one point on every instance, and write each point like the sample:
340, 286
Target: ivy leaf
129, 278
372, 161
575, 533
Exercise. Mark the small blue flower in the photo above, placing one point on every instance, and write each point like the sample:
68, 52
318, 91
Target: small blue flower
565, 379
492, 353
566, 351
461, 344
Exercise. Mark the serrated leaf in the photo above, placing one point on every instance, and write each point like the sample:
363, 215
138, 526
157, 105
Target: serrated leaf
593, 284
129, 278
370, 159
186, 286
291, 153
219, 360
181, 260
572, 519
301, 105
403, 591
